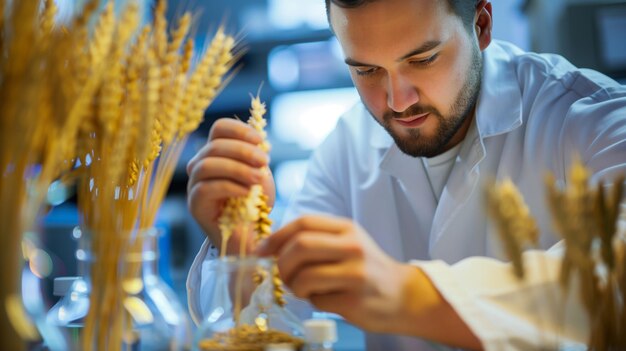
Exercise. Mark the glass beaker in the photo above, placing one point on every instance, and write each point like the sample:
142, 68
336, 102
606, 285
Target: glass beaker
128, 307
245, 310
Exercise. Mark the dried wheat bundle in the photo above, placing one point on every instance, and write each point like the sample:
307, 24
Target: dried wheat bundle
587, 220
514, 223
244, 213
249, 215
47, 78
151, 97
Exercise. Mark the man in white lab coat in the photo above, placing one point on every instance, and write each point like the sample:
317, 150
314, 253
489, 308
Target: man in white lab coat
390, 229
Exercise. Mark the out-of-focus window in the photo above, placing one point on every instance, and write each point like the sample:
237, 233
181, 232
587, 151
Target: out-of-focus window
310, 65
290, 14
306, 117
611, 24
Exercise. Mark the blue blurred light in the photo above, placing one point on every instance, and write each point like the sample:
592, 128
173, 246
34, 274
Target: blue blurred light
306, 117
284, 70
290, 14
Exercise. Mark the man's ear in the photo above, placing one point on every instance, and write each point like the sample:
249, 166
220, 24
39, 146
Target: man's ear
483, 23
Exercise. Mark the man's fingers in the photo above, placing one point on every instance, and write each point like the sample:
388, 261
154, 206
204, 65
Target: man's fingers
338, 302
232, 149
325, 224
229, 128
324, 279
307, 249
204, 195
216, 168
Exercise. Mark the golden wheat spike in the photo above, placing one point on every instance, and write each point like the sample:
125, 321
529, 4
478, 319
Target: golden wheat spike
178, 37
153, 86
195, 82
133, 172
573, 216
514, 224
209, 80
110, 98
140, 67
171, 108
171, 84
118, 158
187, 57
89, 8
112, 90
138, 144
263, 226
80, 60
213, 82
100, 46
227, 222
151, 111
47, 19
128, 25
279, 290
256, 120
160, 30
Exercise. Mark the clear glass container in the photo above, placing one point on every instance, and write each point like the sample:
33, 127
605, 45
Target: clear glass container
246, 308
37, 267
320, 334
134, 308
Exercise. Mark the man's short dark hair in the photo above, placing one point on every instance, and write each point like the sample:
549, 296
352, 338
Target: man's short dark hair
465, 9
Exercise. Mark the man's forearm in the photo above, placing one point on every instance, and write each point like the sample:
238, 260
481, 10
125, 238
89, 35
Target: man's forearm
428, 315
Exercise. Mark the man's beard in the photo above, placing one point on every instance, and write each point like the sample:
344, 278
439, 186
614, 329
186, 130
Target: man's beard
417, 145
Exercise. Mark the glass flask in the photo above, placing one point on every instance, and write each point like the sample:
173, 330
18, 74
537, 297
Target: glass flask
320, 334
37, 267
127, 308
246, 309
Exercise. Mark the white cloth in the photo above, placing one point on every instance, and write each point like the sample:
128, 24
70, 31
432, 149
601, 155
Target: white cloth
533, 113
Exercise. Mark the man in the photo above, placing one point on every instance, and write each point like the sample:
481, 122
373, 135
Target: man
390, 229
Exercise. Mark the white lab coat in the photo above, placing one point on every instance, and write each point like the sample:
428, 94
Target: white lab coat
533, 113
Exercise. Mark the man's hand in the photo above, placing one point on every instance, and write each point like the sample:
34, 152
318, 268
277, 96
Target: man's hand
335, 264
227, 166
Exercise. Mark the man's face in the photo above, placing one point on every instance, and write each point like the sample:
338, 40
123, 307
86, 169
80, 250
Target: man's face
416, 68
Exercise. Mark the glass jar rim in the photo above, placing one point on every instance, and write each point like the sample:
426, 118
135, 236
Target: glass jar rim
231, 262
134, 233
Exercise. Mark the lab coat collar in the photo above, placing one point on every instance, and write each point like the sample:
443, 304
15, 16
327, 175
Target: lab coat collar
499, 106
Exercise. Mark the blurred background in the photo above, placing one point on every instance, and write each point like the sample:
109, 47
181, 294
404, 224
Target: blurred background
292, 59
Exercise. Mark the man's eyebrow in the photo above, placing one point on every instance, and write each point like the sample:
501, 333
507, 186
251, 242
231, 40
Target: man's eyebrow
427, 46
352, 62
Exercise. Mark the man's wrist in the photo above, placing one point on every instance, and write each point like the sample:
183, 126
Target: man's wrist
420, 300
428, 315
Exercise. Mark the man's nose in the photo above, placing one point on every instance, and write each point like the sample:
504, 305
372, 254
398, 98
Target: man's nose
401, 93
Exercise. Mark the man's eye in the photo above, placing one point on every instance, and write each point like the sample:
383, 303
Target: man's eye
425, 62
365, 71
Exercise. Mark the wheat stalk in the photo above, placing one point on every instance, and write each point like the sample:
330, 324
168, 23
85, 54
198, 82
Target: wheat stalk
515, 225
586, 218
43, 104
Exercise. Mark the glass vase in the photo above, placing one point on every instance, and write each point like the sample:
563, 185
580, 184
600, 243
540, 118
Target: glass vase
128, 307
246, 310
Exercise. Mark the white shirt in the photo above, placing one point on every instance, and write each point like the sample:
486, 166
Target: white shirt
534, 111
438, 169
